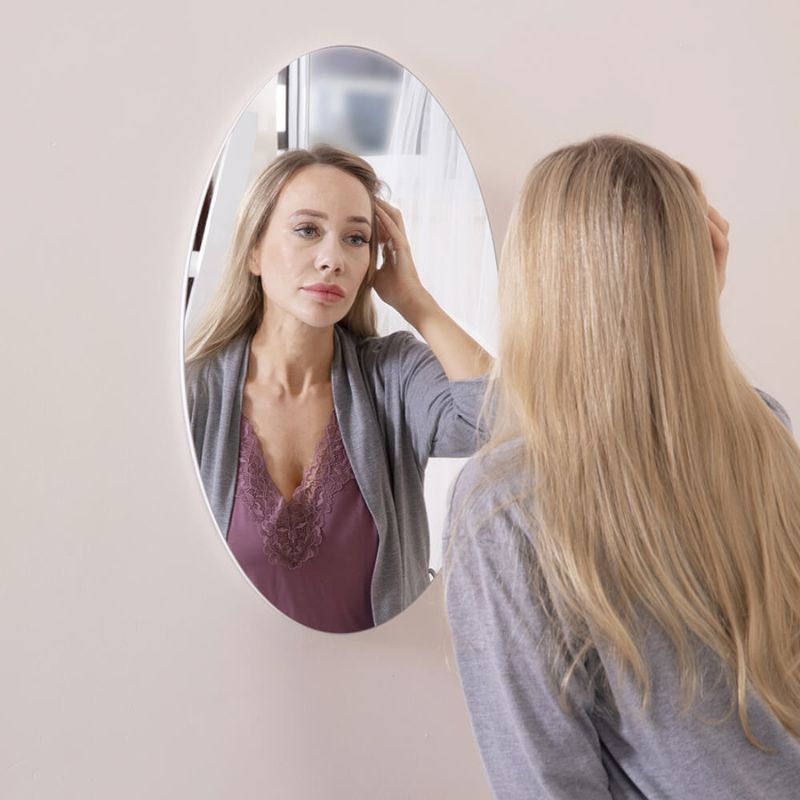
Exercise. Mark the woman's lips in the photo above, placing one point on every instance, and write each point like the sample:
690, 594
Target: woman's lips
325, 292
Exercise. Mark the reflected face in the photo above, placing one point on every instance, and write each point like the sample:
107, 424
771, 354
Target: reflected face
315, 252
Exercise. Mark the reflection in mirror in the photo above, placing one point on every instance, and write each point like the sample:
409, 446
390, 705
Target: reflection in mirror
339, 323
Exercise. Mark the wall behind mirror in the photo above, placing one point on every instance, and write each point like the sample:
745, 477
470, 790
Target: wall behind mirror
136, 663
360, 101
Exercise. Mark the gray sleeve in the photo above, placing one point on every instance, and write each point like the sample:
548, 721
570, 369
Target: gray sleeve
530, 747
197, 408
777, 409
442, 415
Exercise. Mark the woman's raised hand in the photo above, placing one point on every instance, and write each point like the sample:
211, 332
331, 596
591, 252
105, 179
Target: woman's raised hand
718, 227
396, 281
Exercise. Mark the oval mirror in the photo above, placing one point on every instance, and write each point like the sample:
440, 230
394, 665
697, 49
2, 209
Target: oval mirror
339, 325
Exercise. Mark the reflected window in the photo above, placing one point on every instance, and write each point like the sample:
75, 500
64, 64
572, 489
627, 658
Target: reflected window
352, 99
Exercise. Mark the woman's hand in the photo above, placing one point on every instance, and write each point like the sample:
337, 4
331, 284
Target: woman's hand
396, 281
718, 227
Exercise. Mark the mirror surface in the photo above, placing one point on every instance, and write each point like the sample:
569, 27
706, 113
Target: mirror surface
325, 446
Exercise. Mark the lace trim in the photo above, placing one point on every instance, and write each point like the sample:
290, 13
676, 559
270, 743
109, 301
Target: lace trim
293, 531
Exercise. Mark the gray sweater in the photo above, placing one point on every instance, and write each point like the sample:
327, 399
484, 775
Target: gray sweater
530, 747
395, 408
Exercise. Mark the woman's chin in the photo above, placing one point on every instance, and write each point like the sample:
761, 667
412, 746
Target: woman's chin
323, 318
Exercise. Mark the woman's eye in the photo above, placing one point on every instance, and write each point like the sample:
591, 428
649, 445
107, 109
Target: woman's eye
358, 239
306, 231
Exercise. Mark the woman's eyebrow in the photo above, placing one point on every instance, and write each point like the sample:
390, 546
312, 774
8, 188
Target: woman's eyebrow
310, 212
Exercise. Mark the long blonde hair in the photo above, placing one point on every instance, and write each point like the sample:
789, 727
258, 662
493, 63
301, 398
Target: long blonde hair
238, 303
665, 488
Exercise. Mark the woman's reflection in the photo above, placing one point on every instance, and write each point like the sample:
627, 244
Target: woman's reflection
311, 432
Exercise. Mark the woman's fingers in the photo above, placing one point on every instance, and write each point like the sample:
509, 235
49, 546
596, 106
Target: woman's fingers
386, 226
385, 239
718, 219
383, 233
391, 214
718, 228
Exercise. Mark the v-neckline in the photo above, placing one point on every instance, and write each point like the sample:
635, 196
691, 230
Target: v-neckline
315, 459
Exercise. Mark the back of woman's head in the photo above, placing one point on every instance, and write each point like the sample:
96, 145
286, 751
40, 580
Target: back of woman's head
608, 265
665, 488
238, 304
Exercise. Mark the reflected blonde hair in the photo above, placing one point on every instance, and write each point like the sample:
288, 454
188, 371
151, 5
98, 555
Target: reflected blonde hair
238, 304
665, 488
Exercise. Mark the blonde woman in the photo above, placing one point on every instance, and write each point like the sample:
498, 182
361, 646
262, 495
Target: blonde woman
623, 574
311, 432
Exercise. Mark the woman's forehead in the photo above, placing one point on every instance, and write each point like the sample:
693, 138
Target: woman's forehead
325, 188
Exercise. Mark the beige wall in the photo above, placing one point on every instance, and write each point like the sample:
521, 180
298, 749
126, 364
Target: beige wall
136, 661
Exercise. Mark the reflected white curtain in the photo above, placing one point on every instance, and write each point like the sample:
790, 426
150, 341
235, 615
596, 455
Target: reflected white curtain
432, 181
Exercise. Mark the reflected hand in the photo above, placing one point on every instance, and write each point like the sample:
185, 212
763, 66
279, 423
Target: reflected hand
396, 281
718, 227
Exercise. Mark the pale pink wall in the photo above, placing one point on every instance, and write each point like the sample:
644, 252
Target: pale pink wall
136, 662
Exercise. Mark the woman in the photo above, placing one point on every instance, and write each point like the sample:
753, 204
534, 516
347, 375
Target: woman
311, 432
623, 573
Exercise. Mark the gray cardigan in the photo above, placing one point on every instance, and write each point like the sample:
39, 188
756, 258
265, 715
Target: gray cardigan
532, 748
395, 408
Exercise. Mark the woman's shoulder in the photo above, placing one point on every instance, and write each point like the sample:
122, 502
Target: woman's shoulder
391, 346
491, 501
221, 368
493, 475
385, 359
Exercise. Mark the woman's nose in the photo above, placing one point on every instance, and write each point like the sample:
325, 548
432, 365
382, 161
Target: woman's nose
330, 256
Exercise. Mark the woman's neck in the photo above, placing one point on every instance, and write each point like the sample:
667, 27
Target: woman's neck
289, 355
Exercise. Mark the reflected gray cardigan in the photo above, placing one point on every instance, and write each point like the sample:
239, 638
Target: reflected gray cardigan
395, 408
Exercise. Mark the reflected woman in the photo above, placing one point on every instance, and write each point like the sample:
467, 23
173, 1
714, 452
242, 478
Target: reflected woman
623, 571
311, 432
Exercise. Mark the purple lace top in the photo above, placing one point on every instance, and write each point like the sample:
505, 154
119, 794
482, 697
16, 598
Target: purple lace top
313, 556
